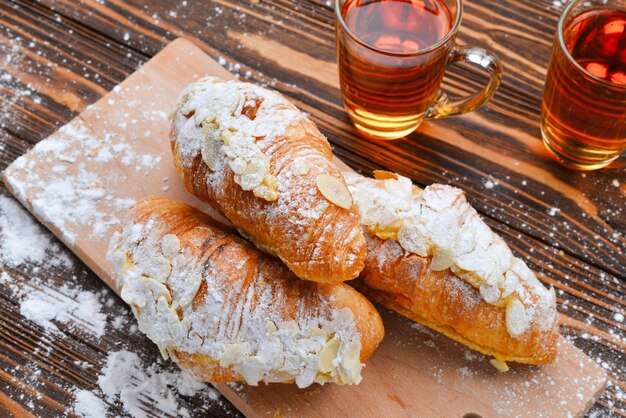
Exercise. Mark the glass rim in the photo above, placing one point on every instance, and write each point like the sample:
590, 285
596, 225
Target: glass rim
569, 56
453, 30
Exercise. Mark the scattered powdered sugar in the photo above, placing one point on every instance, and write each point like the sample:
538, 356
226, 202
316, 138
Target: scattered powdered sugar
13, 63
560, 4
48, 306
88, 405
23, 240
74, 196
73, 200
125, 378
466, 372
553, 211
80, 309
53, 305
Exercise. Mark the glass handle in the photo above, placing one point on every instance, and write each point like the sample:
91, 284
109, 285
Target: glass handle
444, 107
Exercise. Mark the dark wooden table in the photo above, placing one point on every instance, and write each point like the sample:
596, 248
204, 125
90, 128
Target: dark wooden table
57, 57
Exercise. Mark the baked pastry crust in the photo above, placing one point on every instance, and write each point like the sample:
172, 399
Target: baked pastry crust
434, 260
227, 312
261, 163
445, 303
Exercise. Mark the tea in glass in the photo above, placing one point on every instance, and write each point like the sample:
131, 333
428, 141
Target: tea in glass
389, 90
392, 56
584, 102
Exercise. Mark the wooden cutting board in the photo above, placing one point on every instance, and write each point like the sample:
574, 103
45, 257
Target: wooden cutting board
80, 181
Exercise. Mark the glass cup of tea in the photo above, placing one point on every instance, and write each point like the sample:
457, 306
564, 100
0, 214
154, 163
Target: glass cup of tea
583, 122
392, 56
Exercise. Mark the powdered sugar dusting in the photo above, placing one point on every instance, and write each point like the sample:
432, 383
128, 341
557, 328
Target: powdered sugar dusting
298, 215
225, 120
81, 309
23, 240
439, 223
88, 405
127, 379
318, 344
78, 309
61, 305
74, 196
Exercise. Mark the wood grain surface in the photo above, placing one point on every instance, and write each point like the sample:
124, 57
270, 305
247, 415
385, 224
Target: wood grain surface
58, 57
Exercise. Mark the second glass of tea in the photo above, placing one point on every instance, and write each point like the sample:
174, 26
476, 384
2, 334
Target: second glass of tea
392, 57
583, 121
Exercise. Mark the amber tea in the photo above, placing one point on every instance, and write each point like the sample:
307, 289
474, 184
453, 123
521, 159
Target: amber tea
584, 104
390, 90
392, 55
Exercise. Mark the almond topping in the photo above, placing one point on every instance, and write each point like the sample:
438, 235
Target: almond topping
334, 190
328, 354
500, 365
170, 246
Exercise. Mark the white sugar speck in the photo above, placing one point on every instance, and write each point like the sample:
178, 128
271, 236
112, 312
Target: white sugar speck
619, 317
490, 183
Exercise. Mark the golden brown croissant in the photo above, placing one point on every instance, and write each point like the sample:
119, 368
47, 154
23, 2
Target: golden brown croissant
433, 259
260, 162
227, 312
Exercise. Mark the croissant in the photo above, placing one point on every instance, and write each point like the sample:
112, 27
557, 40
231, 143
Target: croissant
227, 312
261, 163
433, 259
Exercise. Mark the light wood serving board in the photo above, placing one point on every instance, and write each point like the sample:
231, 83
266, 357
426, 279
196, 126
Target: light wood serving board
80, 181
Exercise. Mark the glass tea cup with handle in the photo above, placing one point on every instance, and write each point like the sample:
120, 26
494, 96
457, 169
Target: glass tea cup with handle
392, 56
583, 121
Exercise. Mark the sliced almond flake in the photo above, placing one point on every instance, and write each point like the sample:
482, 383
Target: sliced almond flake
334, 190
500, 365
516, 318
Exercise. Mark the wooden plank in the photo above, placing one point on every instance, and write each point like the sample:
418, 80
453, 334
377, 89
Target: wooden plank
412, 371
580, 214
52, 69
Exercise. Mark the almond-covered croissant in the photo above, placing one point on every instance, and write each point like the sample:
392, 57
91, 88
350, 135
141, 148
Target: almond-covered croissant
433, 259
227, 312
258, 160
